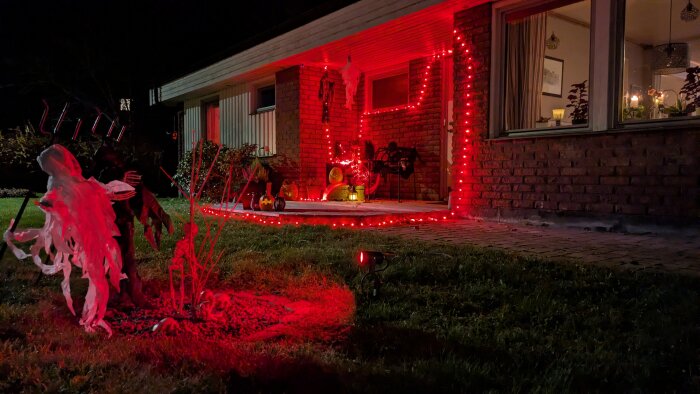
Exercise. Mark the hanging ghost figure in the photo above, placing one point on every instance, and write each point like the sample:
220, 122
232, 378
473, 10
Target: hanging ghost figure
80, 227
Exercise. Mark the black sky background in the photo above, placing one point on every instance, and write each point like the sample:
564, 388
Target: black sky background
94, 52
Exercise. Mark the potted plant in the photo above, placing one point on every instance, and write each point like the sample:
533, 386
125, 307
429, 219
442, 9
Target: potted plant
691, 89
578, 100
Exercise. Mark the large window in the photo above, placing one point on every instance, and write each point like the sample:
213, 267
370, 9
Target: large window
390, 91
661, 48
545, 77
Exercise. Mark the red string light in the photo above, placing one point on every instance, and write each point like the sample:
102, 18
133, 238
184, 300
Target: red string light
468, 114
333, 222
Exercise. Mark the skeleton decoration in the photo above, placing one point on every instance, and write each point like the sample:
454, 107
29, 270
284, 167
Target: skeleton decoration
80, 227
351, 77
325, 94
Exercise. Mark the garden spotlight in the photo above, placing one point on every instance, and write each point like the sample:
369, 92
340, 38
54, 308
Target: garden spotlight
369, 262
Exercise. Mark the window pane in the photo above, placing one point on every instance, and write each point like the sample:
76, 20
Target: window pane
659, 46
547, 55
390, 92
266, 96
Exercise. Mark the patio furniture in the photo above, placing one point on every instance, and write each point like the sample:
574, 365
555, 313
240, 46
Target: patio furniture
396, 160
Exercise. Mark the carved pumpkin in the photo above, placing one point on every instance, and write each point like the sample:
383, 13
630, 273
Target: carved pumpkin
266, 203
335, 176
279, 204
290, 191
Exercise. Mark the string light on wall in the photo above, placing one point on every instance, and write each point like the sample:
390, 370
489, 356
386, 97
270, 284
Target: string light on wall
463, 158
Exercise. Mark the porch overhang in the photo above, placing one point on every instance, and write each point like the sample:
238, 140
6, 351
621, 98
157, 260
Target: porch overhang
375, 33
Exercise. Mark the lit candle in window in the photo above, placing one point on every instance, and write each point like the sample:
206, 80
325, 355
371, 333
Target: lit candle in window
558, 115
634, 101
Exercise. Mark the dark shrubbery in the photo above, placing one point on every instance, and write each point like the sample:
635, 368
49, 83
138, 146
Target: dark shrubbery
241, 158
19, 149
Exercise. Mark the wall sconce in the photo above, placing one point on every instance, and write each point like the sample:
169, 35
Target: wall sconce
558, 115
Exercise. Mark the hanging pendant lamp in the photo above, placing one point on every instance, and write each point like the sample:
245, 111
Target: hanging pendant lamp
671, 58
690, 12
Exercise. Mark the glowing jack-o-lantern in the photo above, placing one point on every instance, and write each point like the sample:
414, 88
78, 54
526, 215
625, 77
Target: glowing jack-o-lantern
266, 203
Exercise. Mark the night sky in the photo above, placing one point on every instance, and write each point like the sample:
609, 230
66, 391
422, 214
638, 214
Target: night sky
92, 52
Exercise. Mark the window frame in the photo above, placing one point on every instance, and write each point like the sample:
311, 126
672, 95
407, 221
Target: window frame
618, 51
599, 70
393, 71
258, 108
254, 94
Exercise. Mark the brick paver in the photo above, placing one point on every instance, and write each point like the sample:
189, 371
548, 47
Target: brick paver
667, 253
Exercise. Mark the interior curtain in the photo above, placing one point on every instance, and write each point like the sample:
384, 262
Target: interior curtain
525, 56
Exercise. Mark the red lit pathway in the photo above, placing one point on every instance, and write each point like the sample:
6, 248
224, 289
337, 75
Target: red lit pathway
668, 253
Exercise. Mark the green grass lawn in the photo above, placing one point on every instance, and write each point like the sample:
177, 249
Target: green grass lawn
448, 319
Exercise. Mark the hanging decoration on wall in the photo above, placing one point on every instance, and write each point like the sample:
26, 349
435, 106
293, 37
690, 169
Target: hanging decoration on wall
552, 42
351, 78
690, 12
325, 94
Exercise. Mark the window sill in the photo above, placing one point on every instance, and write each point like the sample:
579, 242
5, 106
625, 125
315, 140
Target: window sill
264, 109
635, 127
562, 130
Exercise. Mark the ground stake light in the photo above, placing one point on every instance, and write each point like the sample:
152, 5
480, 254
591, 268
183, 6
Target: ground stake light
369, 263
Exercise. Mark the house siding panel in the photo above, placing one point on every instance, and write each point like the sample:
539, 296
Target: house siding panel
239, 125
193, 123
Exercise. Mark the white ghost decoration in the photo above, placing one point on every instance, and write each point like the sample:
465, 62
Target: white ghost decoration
351, 78
80, 226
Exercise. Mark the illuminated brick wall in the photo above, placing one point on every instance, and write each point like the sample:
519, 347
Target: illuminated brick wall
649, 175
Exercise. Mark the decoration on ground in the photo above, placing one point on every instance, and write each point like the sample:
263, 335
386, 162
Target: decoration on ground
109, 166
279, 204
195, 260
289, 190
351, 78
369, 263
80, 226
325, 94
266, 202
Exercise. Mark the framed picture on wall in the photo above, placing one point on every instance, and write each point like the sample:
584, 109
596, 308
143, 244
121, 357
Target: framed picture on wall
553, 76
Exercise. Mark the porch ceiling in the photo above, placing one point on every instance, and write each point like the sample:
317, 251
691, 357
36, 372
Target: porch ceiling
383, 44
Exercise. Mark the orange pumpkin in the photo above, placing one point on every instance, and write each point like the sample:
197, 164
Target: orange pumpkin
290, 191
335, 176
266, 203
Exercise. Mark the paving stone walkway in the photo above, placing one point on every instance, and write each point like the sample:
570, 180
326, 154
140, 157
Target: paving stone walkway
665, 253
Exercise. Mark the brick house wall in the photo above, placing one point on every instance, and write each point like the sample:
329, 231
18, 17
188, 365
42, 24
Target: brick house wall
287, 121
419, 127
302, 139
651, 175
